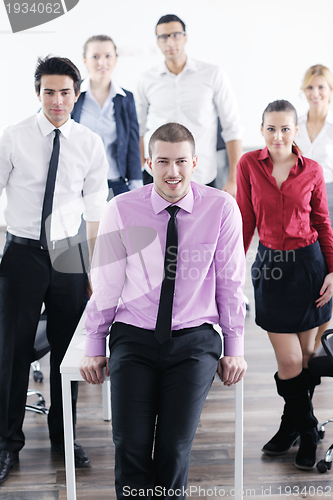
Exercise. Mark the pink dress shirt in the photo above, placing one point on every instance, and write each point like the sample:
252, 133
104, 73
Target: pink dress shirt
128, 263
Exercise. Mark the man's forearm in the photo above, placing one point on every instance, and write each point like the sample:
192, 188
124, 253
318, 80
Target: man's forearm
142, 152
92, 230
234, 152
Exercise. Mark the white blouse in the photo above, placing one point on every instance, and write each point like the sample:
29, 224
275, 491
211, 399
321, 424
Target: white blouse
321, 148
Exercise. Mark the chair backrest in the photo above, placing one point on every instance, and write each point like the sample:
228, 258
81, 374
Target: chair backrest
327, 343
321, 362
41, 345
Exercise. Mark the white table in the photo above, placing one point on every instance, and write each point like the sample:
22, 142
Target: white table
69, 370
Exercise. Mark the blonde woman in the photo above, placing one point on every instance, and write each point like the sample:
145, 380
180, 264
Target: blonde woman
315, 136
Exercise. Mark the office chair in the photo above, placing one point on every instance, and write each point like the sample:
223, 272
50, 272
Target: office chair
41, 347
321, 364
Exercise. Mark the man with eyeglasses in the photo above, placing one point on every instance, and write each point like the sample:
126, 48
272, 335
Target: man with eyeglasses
192, 93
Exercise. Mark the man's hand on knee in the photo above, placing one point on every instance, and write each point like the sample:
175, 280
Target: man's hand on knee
91, 369
231, 369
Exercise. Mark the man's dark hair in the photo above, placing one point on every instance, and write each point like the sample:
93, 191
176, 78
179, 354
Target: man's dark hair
171, 132
170, 18
57, 66
98, 38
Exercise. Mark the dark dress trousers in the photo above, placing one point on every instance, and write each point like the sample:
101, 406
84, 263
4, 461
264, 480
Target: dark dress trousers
27, 279
157, 395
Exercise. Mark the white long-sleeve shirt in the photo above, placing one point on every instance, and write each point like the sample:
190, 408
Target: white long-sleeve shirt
196, 97
321, 148
81, 186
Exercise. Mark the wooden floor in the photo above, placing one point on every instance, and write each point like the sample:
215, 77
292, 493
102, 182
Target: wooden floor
41, 475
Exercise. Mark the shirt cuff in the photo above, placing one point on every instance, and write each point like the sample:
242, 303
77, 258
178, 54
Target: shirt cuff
95, 347
231, 136
329, 262
233, 346
94, 214
135, 183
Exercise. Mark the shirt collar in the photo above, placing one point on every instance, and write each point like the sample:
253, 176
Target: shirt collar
190, 65
264, 154
329, 117
47, 127
159, 204
114, 89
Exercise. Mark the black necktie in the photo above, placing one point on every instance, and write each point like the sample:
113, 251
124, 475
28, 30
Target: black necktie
164, 315
49, 190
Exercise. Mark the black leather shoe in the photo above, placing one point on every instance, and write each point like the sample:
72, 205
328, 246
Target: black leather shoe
8, 460
80, 456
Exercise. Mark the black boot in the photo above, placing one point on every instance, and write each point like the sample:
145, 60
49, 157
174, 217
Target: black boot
306, 455
287, 434
313, 381
284, 439
295, 392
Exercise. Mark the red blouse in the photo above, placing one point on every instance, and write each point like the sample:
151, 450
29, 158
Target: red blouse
287, 218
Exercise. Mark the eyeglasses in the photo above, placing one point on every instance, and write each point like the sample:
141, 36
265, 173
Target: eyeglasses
174, 36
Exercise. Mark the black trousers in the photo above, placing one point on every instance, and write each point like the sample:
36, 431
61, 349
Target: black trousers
27, 279
157, 395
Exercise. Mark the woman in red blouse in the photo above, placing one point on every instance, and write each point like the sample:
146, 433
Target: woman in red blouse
283, 194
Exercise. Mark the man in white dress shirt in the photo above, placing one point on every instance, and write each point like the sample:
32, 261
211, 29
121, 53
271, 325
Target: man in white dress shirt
31, 152
194, 94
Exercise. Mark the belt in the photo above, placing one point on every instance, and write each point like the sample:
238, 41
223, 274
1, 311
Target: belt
174, 333
65, 243
24, 241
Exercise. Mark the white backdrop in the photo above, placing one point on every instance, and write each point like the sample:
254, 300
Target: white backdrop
265, 46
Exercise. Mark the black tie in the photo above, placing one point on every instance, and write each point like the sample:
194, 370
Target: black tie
164, 315
49, 190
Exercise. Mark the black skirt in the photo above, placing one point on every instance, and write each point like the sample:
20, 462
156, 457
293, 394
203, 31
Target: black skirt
286, 286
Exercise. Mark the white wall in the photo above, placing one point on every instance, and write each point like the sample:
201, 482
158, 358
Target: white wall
265, 46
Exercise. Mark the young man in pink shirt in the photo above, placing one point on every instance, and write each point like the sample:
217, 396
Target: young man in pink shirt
168, 265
